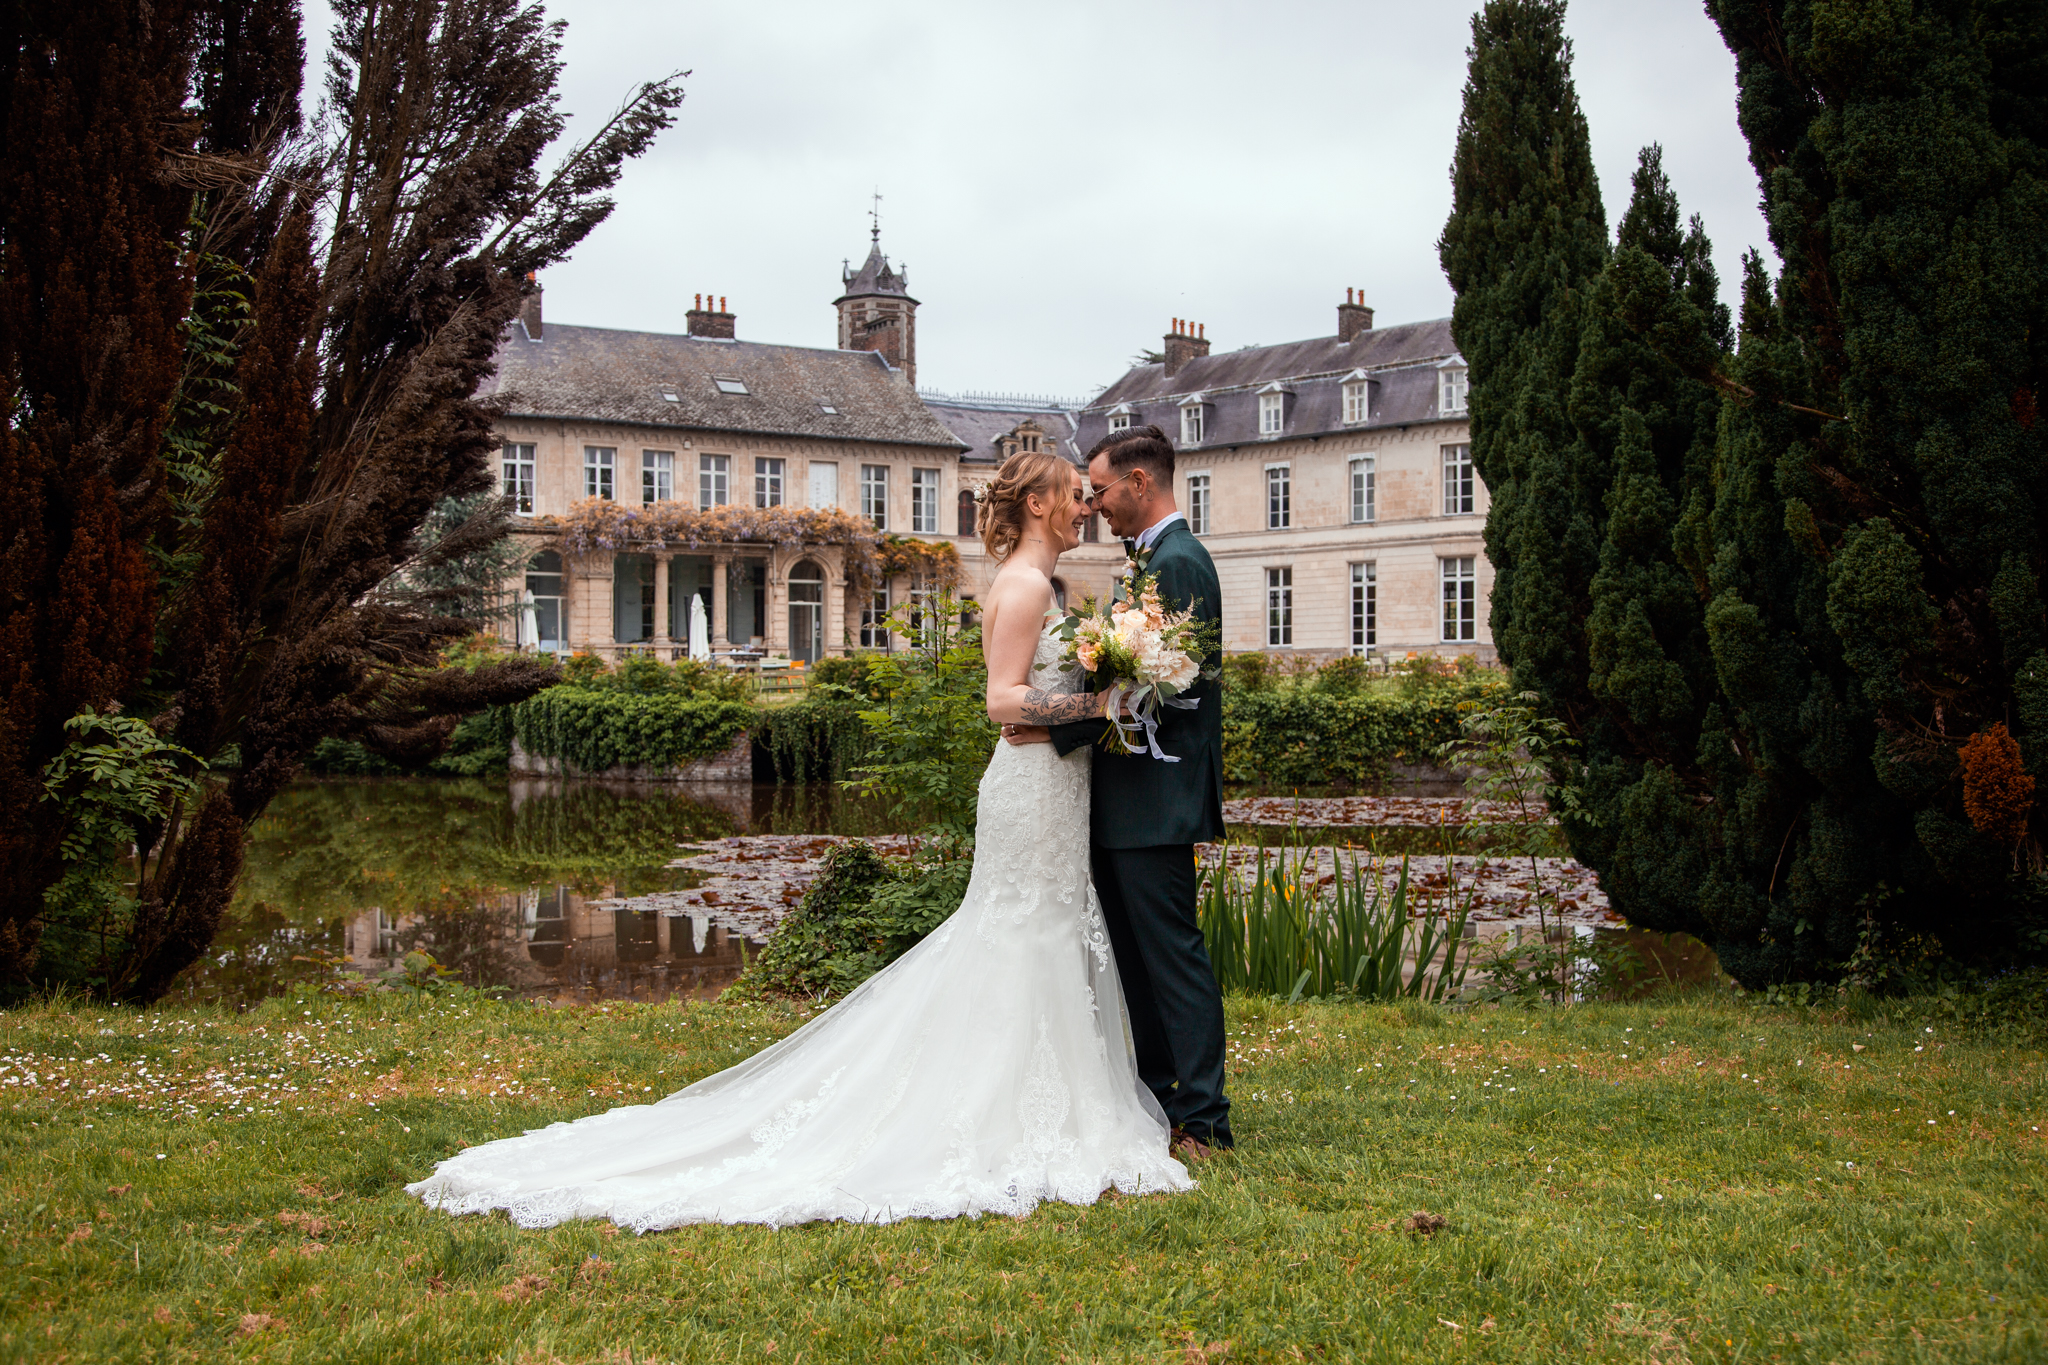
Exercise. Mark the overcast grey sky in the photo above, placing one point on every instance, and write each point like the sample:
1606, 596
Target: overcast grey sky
1062, 177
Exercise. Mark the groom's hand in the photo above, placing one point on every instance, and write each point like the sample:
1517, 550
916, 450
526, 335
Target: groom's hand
1027, 734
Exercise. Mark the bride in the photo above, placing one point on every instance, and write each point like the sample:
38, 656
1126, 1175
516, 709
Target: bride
985, 1070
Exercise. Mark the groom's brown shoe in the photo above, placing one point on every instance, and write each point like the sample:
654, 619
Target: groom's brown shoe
1187, 1146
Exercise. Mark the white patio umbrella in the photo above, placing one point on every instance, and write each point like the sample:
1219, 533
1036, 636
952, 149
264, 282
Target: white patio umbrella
529, 622
700, 631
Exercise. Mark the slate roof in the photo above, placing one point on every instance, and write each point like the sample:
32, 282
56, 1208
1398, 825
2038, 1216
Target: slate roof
875, 277
978, 427
599, 374
1401, 361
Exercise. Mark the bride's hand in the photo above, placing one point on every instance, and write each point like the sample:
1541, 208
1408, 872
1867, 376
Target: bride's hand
1027, 734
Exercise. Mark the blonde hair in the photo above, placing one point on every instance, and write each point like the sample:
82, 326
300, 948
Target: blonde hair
1001, 512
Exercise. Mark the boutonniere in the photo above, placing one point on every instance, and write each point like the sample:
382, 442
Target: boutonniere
1134, 570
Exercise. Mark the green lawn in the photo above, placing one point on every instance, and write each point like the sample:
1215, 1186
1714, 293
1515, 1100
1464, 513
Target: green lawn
1692, 1179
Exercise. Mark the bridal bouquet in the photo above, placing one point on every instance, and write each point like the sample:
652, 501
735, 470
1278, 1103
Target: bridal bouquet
1147, 654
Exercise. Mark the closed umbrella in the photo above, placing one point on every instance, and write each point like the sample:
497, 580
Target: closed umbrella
529, 621
700, 630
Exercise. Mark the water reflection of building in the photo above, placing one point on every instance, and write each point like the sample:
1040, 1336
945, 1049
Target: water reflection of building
552, 943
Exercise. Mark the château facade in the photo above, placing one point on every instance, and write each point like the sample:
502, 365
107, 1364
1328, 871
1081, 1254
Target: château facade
802, 494
646, 469
1331, 480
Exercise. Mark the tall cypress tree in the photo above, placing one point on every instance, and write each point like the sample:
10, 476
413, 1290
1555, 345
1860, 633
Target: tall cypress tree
1526, 236
1876, 535
1648, 428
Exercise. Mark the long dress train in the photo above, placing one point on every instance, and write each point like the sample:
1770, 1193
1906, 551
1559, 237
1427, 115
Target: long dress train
985, 1070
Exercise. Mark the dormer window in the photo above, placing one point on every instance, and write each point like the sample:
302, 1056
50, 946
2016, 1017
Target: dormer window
730, 385
1453, 381
1357, 398
1120, 417
1272, 410
1192, 422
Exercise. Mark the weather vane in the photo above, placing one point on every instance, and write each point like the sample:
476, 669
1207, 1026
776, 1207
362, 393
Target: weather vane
875, 214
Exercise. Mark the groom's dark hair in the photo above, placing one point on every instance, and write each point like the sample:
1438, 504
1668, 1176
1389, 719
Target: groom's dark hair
1143, 448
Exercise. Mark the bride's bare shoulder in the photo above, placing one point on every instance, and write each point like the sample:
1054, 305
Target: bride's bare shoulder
1021, 585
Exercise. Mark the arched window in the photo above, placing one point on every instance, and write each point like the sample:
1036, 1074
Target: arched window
806, 612
541, 628
968, 508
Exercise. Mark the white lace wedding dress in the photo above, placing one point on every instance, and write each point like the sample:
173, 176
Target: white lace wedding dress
985, 1070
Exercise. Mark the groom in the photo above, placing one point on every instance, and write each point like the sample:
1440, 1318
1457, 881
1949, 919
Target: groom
1148, 816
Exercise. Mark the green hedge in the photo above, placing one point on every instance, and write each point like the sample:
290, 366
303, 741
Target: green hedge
596, 729
1299, 737
818, 739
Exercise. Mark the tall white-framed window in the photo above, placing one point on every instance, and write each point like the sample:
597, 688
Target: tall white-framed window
1279, 607
714, 481
1452, 386
768, 482
1365, 606
1365, 493
517, 480
824, 483
1191, 424
874, 494
924, 502
1272, 413
1357, 402
599, 464
1458, 494
1279, 497
657, 475
1461, 599
874, 619
1198, 503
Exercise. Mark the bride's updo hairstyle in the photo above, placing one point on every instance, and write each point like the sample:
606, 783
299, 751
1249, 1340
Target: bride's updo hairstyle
1002, 512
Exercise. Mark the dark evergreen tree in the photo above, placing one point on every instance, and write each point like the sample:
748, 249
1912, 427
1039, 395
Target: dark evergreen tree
1526, 237
1647, 428
243, 360
1876, 537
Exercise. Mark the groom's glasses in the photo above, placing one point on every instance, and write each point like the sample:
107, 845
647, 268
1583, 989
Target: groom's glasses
1094, 499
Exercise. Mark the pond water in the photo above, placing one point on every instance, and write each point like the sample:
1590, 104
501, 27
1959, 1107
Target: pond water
497, 880
515, 885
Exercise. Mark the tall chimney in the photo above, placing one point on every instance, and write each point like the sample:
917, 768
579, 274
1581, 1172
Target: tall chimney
1184, 343
707, 321
1353, 318
529, 310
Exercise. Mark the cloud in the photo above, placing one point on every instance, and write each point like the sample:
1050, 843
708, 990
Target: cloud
1063, 177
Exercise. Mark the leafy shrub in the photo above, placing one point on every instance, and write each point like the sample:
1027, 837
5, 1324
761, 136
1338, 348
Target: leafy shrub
333, 757
821, 737
930, 737
1344, 676
481, 746
1296, 736
854, 672
595, 729
1247, 673
858, 917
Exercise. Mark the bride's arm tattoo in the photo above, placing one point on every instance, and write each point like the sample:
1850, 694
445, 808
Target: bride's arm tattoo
1041, 707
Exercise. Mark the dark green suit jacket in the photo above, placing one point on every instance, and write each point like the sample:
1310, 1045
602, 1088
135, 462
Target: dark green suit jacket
1139, 801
